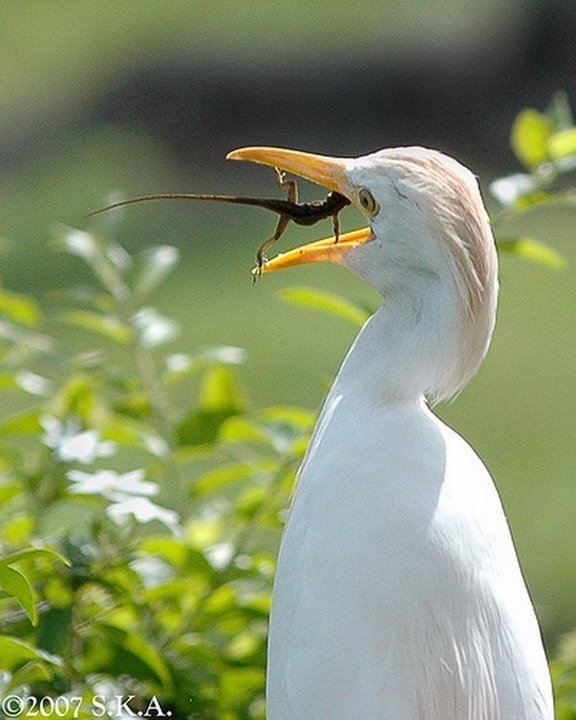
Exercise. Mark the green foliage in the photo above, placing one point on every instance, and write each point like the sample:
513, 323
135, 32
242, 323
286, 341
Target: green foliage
16, 583
564, 677
142, 496
545, 144
141, 500
532, 249
326, 302
531, 134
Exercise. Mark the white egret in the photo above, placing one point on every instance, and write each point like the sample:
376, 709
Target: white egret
398, 593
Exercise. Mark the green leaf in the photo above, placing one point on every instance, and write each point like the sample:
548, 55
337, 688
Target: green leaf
173, 550
55, 628
18, 528
76, 398
300, 418
536, 199
152, 266
220, 391
105, 325
8, 381
531, 249
220, 399
20, 308
14, 651
178, 554
223, 476
202, 427
238, 685
286, 428
32, 672
326, 302
530, 133
131, 433
562, 144
17, 585
241, 429
26, 423
33, 553
8, 491
137, 657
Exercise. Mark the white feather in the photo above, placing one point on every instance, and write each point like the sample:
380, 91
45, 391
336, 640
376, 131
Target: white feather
398, 594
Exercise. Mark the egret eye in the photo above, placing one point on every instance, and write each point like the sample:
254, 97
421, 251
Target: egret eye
368, 201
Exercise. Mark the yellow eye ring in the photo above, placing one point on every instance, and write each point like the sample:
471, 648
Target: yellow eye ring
368, 201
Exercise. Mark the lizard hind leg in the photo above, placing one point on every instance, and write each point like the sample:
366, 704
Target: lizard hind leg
292, 190
260, 255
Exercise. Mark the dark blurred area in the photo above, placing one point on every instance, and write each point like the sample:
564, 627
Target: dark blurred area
429, 98
459, 100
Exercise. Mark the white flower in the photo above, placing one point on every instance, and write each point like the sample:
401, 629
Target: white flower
229, 354
156, 445
154, 329
508, 190
70, 443
119, 257
111, 484
220, 554
129, 494
152, 570
144, 511
32, 383
80, 243
179, 362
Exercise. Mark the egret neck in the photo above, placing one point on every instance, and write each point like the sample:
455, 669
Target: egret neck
403, 352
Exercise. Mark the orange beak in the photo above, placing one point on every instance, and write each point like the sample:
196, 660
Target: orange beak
326, 171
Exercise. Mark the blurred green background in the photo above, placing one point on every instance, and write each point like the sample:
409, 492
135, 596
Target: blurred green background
137, 97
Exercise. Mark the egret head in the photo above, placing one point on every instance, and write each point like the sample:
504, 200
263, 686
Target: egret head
428, 221
428, 242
